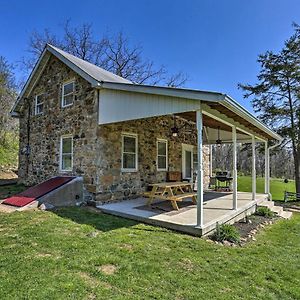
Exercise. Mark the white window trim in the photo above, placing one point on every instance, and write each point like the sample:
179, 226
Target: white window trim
60, 152
134, 135
62, 93
167, 156
35, 106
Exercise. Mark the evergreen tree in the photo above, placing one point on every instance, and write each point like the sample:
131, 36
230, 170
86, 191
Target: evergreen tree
276, 95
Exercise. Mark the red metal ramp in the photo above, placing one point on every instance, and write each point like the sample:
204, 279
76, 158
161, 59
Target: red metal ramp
37, 191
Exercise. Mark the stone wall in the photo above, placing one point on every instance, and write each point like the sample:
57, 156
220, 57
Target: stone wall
97, 149
114, 184
80, 120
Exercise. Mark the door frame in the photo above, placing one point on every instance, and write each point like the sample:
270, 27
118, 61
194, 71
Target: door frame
187, 147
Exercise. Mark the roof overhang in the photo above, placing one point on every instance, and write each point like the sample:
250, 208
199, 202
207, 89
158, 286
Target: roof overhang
213, 99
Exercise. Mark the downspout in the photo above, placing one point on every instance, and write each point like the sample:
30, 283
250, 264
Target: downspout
270, 148
27, 151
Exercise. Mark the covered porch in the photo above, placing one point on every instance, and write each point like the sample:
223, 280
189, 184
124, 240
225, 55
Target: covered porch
217, 208
215, 115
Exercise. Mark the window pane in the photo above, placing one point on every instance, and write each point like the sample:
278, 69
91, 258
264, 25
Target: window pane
67, 145
68, 88
162, 148
39, 108
68, 100
129, 144
162, 162
188, 164
67, 162
128, 161
39, 99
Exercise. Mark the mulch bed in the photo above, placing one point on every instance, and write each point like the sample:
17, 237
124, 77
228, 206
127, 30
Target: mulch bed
249, 227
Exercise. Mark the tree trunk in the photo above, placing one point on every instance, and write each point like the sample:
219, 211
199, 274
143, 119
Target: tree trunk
296, 154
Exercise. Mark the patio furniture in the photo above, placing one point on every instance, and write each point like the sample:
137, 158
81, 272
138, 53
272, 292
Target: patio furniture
172, 191
290, 196
223, 181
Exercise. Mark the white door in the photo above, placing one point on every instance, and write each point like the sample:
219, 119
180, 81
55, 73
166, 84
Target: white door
187, 161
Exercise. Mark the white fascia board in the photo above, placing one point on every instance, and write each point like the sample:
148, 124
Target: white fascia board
242, 112
165, 91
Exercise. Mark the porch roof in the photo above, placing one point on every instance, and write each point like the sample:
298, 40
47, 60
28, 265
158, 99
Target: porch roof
122, 102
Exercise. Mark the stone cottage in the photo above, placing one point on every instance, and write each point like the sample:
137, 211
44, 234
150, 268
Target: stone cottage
78, 119
58, 111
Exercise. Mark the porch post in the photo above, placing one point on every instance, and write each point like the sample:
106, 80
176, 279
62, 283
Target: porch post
199, 122
253, 169
234, 165
210, 161
267, 169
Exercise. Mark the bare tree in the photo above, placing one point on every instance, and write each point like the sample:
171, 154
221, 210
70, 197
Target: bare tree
113, 53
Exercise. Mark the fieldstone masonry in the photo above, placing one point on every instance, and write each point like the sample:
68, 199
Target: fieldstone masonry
96, 148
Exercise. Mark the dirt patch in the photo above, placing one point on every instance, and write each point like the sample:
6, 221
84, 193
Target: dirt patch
126, 247
91, 281
44, 255
108, 269
8, 174
187, 264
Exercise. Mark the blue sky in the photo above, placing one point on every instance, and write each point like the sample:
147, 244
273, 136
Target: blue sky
215, 42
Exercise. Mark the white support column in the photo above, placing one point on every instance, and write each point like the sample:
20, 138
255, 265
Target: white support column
234, 168
266, 167
267, 170
210, 161
253, 169
199, 122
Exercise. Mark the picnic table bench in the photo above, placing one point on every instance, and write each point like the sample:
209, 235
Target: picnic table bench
171, 191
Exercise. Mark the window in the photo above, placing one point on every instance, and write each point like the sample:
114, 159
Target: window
129, 153
39, 105
162, 155
66, 153
68, 94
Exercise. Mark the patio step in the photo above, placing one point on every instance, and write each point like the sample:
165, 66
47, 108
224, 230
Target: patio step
286, 214
276, 209
268, 204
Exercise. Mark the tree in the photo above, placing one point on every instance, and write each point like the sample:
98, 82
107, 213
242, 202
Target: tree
276, 96
113, 53
7, 98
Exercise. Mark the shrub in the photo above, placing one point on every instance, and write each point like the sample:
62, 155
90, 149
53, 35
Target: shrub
226, 232
265, 212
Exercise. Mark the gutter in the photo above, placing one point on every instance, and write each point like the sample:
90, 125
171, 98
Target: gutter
242, 112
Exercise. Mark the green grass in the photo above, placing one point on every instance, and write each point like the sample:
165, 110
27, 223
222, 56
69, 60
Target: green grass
277, 186
53, 255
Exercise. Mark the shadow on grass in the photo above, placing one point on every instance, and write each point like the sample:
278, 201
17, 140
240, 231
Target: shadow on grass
92, 217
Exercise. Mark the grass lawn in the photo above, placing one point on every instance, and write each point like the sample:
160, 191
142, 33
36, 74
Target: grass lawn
75, 253
277, 186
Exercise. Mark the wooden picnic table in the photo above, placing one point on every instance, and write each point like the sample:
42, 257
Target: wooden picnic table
172, 191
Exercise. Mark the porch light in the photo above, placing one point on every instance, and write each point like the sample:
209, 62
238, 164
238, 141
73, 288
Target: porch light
219, 141
174, 131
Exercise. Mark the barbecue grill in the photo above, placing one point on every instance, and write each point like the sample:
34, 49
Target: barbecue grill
223, 181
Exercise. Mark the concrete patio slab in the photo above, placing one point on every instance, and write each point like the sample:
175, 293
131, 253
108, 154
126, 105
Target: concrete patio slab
217, 209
